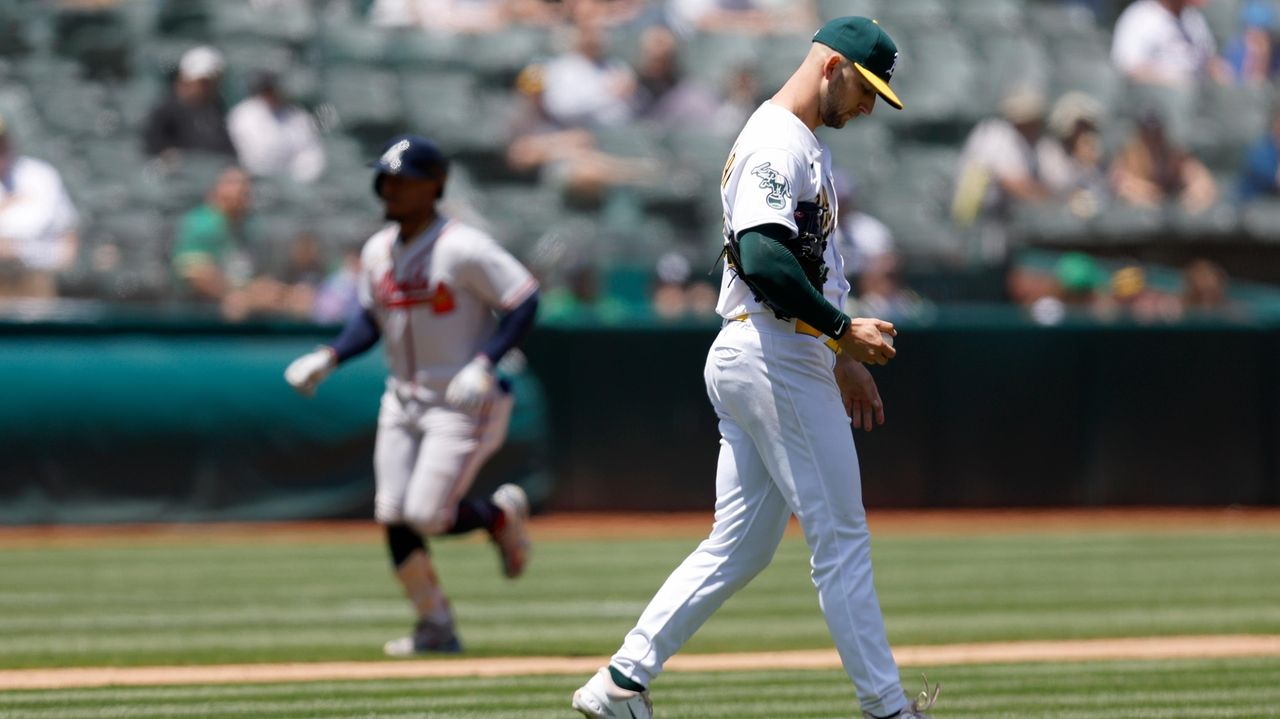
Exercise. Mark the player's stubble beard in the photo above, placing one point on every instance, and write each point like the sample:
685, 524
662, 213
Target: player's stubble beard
829, 103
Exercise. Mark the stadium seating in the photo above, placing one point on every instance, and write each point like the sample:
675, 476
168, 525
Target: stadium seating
76, 86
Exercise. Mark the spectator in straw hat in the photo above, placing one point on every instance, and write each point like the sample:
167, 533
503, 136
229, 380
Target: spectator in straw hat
192, 116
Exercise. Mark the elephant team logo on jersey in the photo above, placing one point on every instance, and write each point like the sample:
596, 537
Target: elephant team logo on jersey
393, 158
778, 186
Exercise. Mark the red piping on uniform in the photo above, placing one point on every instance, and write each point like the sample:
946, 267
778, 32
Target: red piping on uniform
525, 290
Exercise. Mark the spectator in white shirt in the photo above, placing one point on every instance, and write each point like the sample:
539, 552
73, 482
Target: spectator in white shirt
586, 88
37, 224
741, 17
1165, 42
445, 16
273, 137
998, 164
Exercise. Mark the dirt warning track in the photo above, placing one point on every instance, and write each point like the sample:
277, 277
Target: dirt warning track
1188, 647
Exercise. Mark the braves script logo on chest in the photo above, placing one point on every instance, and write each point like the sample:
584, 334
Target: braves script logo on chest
412, 291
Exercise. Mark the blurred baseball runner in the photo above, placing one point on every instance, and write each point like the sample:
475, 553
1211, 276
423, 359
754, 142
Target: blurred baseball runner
430, 287
785, 378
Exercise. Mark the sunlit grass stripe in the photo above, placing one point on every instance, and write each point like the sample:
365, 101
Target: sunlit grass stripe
1186, 689
312, 601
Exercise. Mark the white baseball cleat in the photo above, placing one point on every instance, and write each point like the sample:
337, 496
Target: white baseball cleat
512, 537
600, 698
430, 636
915, 710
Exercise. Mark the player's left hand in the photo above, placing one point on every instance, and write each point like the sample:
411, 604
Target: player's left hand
472, 385
859, 393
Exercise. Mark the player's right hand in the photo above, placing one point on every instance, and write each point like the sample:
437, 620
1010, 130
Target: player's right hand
309, 370
864, 342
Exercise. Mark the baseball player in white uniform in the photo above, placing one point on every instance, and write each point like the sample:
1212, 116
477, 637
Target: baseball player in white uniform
785, 376
448, 302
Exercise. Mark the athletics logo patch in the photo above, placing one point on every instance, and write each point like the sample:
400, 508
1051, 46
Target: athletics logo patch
779, 187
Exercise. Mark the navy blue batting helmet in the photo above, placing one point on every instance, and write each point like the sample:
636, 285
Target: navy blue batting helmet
410, 156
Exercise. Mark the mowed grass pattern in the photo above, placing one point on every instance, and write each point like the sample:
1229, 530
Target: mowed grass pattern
194, 603
1228, 689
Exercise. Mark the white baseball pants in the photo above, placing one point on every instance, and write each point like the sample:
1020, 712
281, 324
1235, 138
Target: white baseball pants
786, 448
427, 454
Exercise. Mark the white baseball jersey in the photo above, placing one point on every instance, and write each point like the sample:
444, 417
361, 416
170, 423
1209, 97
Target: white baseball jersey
776, 163
434, 298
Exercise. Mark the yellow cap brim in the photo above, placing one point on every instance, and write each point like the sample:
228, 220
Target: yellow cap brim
881, 86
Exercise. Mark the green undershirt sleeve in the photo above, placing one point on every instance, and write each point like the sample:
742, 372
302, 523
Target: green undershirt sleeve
777, 274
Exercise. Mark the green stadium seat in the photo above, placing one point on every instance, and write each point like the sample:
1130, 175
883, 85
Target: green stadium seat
700, 151
499, 57
1065, 21
19, 111
1048, 223
831, 9
343, 153
710, 58
1176, 106
1011, 61
1230, 118
364, 97
1260, 220
99, 39
111, 157
190, 19
440, 104
521, 213
936, 81
277, 227
1219, 222
141, 236
414, 50
989, 15
1086, 67
863, 147
356, 43
780, 55
134, 99
158, 57
1223, 17
920, 230
912, 14
287, 22
632, 140
15, 33
182, 186
914, 198
77, 109
1119, 223
248, 55
47, 71
339, 230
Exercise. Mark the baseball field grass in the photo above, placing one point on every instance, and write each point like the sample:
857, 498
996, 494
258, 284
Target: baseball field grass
189, 598
1239, 689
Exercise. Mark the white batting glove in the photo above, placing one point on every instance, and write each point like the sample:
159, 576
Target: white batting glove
472, 385
308, 371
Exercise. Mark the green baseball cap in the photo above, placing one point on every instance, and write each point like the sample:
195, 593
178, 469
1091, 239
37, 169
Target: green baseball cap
868, 47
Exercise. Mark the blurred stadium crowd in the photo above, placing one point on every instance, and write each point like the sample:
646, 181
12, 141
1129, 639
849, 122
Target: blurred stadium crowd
215, 152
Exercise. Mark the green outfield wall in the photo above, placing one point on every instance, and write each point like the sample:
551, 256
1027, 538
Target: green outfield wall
154, 418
